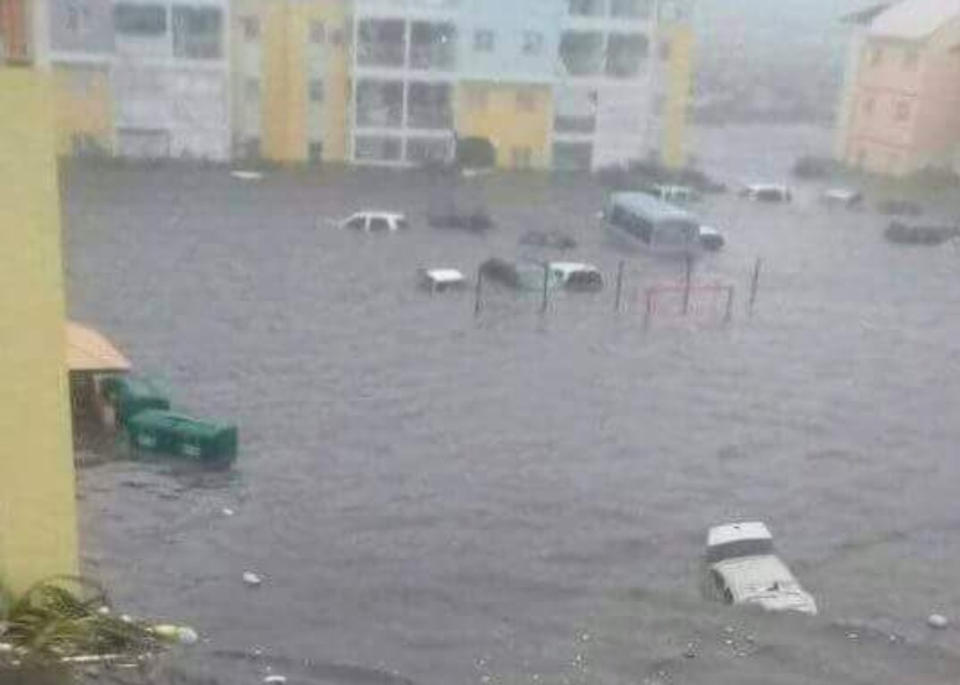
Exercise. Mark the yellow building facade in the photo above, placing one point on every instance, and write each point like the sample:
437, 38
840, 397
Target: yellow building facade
516, 118
291, 79
37, 498
679, 75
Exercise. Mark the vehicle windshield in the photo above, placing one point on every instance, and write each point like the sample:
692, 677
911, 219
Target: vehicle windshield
377, 342
739, 548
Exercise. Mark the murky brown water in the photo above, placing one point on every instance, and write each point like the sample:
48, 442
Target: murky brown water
523, 498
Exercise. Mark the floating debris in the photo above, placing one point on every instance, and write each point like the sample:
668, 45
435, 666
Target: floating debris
227, 511
275, 680
185, 635
938, 621
252, 579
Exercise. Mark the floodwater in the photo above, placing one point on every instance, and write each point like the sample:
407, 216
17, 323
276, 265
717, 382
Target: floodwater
437, 497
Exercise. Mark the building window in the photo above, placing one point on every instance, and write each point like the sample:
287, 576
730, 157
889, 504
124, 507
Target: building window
251, 28
318, 32
532, 42
876, 56
315, 152
376, 148
196, 32
868, 106
911, 58
77, 18
140, 20
477, 98
521, 157
526, 101
483, 40
901, 111
630, 8
316, 90
252, 89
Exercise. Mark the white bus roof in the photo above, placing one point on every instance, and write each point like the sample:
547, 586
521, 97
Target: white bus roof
650, 207
732, 532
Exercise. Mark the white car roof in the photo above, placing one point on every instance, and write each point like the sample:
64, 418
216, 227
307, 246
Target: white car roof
444, 275
841, 193
567, 268
766, 186
377, 213
731, 532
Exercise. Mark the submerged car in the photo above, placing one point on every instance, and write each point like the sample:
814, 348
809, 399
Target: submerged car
439, 280
742, 568
553, 239
520, 275
842, 197
767, 192
370, 221
899, 208
476, 221
711, 239
577, 276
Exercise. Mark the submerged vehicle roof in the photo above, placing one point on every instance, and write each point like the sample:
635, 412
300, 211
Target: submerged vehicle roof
443, 275
731, 532
570, 267
647, 205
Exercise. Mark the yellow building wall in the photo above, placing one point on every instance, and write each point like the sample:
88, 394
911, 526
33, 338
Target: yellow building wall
492, 111
37, 500
285, 35
82, 107
679, 72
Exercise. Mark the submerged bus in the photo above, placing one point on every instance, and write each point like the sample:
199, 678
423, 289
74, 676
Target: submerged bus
642, 221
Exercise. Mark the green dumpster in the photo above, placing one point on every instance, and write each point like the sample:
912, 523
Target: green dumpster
158, 430
130, 395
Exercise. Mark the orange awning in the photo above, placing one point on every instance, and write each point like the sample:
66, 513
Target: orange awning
89, 350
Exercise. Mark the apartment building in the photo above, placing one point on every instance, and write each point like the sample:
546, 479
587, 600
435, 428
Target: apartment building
141, 78
570, 84
290, 72
900, 109
405, 72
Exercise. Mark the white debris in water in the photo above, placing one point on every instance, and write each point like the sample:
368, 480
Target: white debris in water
126, 618
251, 578
104, 611
275, 680
853, 636
227, 511
938, 621
246, 175
5, 648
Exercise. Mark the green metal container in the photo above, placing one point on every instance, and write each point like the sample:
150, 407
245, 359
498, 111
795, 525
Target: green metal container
130, 395
157, 430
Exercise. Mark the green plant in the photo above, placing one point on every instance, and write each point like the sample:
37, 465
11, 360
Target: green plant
66, 617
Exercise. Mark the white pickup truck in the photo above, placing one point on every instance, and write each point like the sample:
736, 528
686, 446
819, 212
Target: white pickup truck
742, 568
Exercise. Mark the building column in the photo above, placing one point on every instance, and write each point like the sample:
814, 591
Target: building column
37, 485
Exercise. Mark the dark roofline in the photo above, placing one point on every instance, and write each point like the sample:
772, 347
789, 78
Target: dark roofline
865, 16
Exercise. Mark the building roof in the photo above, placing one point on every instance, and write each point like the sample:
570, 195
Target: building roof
914, 19
88, 350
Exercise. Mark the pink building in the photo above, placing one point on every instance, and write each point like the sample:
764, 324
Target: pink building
900, 109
